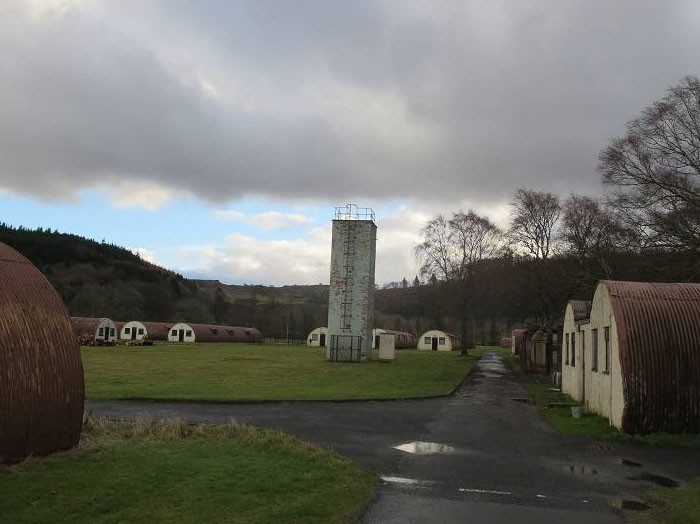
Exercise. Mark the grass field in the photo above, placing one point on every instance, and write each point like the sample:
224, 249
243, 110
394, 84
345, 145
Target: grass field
168, 471
593, 426
220, 372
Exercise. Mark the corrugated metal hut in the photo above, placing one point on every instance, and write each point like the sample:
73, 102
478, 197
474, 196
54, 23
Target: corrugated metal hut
643, 359
576, 323
103, 329
536, 350
317, 337
137, 330
436, 340
402, 339
41, 375
186, 332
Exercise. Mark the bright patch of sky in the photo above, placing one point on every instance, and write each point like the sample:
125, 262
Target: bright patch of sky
250, 241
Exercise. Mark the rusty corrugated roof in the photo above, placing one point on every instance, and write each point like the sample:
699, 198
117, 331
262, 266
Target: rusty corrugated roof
41, 374
658, 328
214, 333
86, 325
581, 309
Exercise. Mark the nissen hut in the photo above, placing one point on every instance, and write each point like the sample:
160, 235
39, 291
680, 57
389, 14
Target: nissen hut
317, 337
103, 329
436, 340
136, 330
640, 354
576, 324
402, 339
182, 332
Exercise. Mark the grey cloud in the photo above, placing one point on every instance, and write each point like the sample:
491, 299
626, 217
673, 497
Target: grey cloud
488, 96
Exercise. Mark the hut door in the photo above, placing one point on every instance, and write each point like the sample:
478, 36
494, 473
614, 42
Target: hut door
133, 333
435, 343
376, 342
181, 335
322, 339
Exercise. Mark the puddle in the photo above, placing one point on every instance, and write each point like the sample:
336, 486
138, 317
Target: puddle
580, 469
406, 481
425, 448
656, 479
629, 504
630, 463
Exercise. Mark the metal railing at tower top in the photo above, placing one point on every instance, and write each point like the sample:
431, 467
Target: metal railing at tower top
354, 212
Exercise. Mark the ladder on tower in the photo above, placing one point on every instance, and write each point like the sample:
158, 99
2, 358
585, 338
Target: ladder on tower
348, 275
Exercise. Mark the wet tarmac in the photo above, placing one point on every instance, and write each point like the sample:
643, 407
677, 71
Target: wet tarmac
476, 456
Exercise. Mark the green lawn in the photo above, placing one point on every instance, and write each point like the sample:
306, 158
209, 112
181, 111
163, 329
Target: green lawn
593, 426
147, 471
258, 372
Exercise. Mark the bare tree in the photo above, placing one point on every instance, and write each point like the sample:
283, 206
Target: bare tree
588, 228
653, 172
477, 238
437, 253
534, 218
453, 249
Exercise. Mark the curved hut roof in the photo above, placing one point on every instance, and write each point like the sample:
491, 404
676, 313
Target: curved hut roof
214, 333
41, 375
658, 330
581, 309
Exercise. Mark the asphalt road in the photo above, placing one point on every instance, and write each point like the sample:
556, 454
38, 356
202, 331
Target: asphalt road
487, 458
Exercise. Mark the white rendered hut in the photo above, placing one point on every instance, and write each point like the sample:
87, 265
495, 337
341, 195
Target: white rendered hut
436, 340
137, 330
576, 325
103, 329
317, 337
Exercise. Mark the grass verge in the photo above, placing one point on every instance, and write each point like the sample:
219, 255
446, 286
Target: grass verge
169, 471
590, 425
674, 506
235, 372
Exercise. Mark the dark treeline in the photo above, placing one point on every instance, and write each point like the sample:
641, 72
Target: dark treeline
97, 279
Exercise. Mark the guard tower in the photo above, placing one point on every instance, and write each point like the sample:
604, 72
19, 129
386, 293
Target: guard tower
351, 296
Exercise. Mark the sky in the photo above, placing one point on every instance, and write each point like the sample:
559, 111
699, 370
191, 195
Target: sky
216, 137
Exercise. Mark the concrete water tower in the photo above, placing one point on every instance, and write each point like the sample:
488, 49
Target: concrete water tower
351, 295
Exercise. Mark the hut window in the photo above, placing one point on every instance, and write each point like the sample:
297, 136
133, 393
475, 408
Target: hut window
573, 349
442, 341
230, 331
189, 333
173, 333
427, 340
594, 349
606, 333
566, 349
214, 331
101, 332
111, 332
127, 331
140, 331
314, 336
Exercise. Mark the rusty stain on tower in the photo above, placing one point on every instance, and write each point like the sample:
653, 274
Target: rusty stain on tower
41, 375
351, 295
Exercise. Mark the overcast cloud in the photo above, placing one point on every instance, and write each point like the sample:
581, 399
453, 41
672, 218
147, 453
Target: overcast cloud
446, 100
